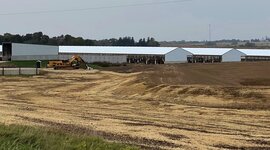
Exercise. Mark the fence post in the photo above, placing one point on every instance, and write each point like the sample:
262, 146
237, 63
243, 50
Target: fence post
19, 70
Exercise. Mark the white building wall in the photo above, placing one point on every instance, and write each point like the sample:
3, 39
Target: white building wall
232, 56
90, 58
35, 57
178, 55
33, 50
1, 50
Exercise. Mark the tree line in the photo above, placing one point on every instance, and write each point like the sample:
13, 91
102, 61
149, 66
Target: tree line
40, 38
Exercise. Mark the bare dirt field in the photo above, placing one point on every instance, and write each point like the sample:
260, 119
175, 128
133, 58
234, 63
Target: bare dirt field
187, 106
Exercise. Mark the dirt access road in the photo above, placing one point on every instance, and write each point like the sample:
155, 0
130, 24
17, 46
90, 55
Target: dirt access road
143, 110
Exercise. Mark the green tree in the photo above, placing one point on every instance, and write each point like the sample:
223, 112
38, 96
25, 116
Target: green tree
40, 38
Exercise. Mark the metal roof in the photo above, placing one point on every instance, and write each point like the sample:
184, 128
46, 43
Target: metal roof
255, 52
154, 50
208, 51
116, 50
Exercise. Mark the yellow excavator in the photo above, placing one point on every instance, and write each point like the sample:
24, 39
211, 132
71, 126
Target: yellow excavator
75, 62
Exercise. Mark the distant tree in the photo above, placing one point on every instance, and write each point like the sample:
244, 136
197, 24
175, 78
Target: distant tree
249, 44
67, 40
17, 38
234, 42
44, 39
7, 37
255, 40
53, 41
152, 42
210, 44
40, 38
142, 42
106, 42
27, 37
125, 41
267, 38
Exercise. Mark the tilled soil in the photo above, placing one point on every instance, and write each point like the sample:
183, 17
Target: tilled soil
125, 108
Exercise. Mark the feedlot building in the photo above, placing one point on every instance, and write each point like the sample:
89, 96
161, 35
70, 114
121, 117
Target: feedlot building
255, 54
146, 55
117, 54
211, 55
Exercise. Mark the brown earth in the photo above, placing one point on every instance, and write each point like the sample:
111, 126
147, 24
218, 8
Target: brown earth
187, 106
225, 74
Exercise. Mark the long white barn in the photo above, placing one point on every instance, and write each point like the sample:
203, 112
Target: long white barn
111, 54
146, 55
214, 55
255, 54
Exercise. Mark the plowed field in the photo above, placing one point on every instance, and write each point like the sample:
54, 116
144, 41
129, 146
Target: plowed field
188, 106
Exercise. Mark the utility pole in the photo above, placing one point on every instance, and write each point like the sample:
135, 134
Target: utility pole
210, 33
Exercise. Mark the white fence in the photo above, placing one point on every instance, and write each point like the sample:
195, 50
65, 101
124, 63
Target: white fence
19, 71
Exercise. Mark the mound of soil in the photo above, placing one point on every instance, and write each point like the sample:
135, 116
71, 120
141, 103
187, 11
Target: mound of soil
224, 74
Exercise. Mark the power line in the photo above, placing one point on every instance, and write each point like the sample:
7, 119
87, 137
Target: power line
93, 8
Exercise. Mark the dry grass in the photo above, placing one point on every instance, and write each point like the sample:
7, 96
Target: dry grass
132, 109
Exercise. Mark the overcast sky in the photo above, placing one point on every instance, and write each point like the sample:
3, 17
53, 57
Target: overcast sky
189, 20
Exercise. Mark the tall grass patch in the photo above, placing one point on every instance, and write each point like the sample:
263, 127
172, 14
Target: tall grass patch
34, 138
